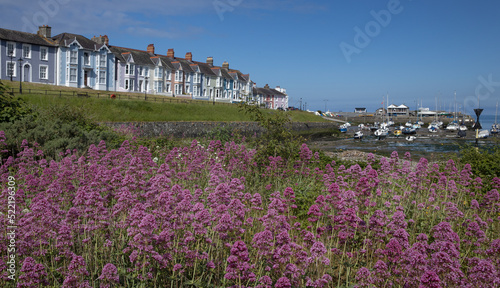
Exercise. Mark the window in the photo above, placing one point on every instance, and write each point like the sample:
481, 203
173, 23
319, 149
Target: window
195, 90
234, 85
225, 94
178, 75
208, 81
86, 58
211, 93
159, 72
188, 77
44, 53
168, 88
187, 89
26, 51
217, 93
102, 60
139, 71
132, 84
230, 94
11, 69
129, 69
102, 77
205, 92
219, 82
11, 49
127, 84
168, 74
72, 74
228, 84
146, 71
159, 86
43, 72
196, 78
178, 89
73, 57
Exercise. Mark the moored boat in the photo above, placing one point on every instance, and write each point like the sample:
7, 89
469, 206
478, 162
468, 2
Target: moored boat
358, 135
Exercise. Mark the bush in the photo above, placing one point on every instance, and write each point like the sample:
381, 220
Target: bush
11, 109
56, 130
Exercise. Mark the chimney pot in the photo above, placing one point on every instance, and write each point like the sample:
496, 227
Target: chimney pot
210, 61
151, 48
189, 56
170, 53
44, 31
225, 65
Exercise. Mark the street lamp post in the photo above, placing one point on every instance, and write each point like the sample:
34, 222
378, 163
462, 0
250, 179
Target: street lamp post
20, 75
477, 125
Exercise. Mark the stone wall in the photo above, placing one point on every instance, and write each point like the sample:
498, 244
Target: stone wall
197, 129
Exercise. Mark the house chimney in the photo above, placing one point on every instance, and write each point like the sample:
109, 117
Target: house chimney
151, 48
225, 65
189, 56
103, 40
44, 31
170, 53
267, 86
210, 61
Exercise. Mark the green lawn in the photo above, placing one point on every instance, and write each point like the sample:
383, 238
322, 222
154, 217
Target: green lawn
133, 107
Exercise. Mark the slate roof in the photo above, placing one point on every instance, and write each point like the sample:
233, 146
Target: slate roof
205, 69
24, 37
65, 39
140, 57
265, 91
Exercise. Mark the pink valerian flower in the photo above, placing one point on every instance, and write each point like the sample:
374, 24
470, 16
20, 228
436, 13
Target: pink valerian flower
482, 273
75, 276
109, 276
305, 153
239, 268
430, 280
283, 282
33, 274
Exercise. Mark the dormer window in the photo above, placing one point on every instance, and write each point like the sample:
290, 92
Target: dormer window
73, 57
102, 60
86, 58
129, 69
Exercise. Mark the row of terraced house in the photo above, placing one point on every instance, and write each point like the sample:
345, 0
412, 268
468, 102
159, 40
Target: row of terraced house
73, 60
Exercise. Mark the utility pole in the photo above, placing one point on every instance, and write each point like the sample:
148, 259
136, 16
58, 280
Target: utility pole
300, 107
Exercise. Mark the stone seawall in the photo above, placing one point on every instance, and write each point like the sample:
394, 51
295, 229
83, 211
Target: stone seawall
197, 129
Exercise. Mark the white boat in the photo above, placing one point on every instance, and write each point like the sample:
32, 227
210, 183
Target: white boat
433, 128
408, 124
436, 123
358, 135
409, 130
453, 126
410, 138
462, 128
381, 133
483, 134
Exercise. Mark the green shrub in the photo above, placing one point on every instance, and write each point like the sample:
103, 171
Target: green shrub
11, 109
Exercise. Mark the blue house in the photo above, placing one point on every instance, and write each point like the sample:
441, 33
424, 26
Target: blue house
27, 57
84, 63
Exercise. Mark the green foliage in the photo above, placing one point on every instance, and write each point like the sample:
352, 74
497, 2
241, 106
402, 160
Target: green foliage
56, 130
277, 139
222, 134
485, 162
11, 109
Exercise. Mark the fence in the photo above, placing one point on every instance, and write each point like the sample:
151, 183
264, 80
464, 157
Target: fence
122, 96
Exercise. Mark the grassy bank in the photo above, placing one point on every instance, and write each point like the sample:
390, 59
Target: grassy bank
133, 107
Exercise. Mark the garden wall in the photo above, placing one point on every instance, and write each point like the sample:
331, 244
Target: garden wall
196, 129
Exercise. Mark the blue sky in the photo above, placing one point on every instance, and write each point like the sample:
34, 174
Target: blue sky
418, 51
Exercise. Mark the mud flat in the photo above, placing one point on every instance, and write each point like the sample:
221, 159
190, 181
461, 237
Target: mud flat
433, 146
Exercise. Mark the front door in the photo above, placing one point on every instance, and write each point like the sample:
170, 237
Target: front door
26, 75
85, 76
